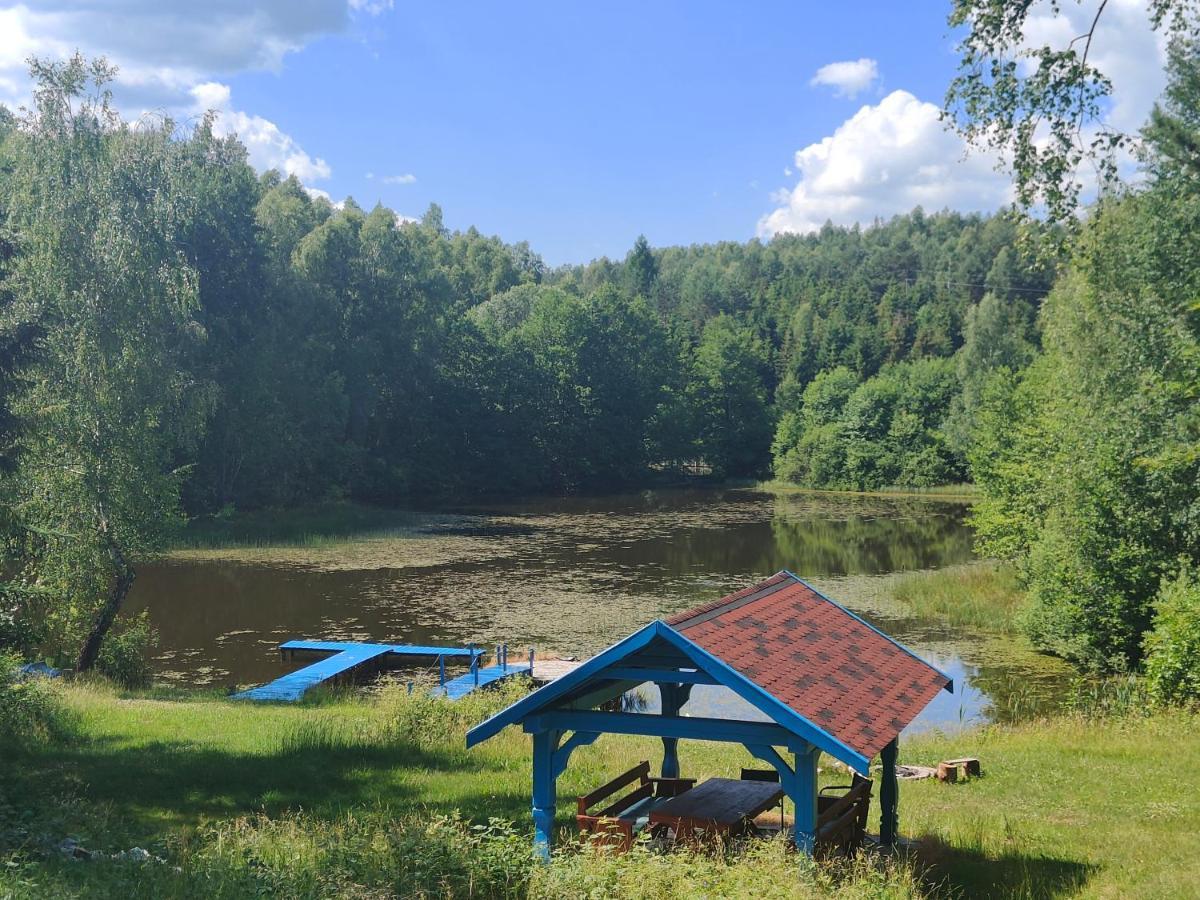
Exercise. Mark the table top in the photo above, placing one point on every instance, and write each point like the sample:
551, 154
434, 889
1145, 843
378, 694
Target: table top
718, 803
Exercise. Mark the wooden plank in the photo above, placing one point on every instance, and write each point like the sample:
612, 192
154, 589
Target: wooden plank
397, 649
291, 687
848, 799
641, 770
617, 808
459, 687
719, 803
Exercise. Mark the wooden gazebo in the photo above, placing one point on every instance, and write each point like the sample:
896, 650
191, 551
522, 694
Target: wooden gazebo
827, 681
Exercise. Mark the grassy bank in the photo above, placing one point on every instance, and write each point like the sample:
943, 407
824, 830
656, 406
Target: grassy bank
304, 526
982, 594
955, 492
375, 796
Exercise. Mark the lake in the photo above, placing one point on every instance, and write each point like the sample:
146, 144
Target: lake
571, 576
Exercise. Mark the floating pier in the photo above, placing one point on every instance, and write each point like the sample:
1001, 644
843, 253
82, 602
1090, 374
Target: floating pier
346, 658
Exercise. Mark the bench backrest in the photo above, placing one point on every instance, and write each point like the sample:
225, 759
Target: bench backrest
639, 773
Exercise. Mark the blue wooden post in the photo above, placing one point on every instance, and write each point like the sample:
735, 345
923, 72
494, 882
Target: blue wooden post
805, 799
889, 819
544, 791
673, 697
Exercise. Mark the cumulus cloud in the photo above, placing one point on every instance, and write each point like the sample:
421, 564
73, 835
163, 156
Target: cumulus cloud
849, 78
171, 37
266, 145
884, 160
170, 56
398, 179
892, 156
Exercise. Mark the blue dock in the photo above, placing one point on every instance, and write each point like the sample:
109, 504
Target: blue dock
348, 657
459, 687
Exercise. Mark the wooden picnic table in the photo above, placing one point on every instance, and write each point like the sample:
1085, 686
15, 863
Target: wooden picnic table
719, 805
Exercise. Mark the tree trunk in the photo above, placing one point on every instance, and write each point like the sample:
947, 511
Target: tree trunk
108, 612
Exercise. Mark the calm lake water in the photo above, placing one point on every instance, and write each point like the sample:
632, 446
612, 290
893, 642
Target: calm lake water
572, 576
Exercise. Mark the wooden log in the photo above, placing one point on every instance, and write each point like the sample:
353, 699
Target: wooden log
969, 764
947, 773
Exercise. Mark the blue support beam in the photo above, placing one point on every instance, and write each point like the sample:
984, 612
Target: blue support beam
787, 775
889, 793
697, 728
643, 674
562, 755
804, 834
545, 791
674, 696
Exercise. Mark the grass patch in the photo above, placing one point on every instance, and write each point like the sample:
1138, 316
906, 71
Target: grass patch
982, 594
307, 526
955, 492
376, 796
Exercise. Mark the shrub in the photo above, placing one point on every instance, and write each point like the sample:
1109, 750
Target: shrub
30, 710
1173, 646
124, 657
22, 628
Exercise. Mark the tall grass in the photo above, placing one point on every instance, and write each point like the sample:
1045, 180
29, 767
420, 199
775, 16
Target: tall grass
378, 797
982, 594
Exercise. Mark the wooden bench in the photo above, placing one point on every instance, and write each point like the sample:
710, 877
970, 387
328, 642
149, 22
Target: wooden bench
617, 823
842, 821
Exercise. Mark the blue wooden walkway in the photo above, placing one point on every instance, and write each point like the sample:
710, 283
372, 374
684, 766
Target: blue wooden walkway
473, 680
346, 657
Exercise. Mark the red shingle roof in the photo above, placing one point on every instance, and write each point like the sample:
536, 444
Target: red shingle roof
821, 660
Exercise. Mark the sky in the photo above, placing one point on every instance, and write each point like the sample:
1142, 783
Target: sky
578, 126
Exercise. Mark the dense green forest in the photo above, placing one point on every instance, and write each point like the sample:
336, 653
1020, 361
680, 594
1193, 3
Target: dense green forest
180, 336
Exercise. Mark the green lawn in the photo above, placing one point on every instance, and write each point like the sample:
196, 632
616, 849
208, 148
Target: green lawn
361, 797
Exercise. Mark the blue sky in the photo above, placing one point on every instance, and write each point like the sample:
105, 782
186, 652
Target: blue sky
573, 126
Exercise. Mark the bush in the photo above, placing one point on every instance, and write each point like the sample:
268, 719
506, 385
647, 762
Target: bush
124, 656
30, 710
1173, 646
22, 628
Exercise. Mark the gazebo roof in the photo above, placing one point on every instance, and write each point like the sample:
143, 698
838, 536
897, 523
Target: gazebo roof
814, 668
817, 657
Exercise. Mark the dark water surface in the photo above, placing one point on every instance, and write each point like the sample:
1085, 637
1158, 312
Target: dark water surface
573, 576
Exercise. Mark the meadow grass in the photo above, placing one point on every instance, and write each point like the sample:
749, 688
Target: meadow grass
376, 796
953, 492
983, 594
315, 525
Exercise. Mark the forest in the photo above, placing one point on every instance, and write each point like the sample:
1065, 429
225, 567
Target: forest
181, 337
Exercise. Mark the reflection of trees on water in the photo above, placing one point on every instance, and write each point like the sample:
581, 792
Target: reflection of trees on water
811, 535
869, 545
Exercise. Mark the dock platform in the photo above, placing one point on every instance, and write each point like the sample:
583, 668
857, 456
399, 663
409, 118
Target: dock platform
345, 658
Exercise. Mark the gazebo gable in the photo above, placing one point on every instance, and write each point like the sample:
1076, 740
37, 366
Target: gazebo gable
658, 653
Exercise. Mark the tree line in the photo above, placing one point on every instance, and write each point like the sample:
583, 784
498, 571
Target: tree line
181, 336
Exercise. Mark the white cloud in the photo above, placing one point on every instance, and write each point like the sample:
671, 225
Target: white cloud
266, 145
885, 160
372, 7
397, 179
849, 78
170, 56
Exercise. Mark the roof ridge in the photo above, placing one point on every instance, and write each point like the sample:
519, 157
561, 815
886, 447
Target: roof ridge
679, 619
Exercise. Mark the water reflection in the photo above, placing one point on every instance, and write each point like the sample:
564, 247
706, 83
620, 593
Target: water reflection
566, 575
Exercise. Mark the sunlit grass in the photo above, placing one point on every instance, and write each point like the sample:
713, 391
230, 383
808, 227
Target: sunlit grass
954, 492
377, 795
982, 594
